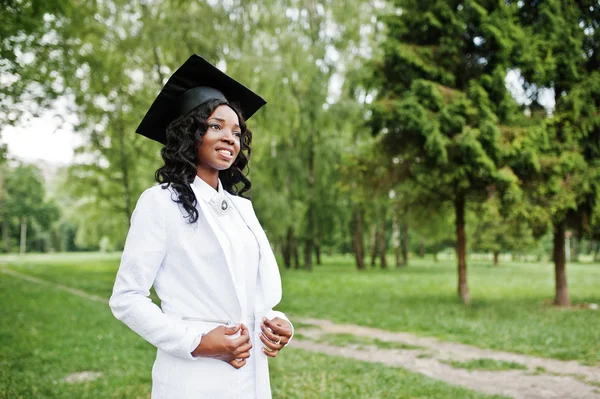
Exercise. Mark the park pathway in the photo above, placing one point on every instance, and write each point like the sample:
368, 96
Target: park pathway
542, 378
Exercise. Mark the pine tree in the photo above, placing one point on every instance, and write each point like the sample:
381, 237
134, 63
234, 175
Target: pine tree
442, 98
562, 178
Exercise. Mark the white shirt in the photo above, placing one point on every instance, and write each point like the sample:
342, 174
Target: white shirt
242, 249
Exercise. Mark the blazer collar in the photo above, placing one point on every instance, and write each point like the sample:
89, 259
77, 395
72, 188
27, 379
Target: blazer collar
206, 191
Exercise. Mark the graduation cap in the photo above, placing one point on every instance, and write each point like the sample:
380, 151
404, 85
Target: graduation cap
195, 82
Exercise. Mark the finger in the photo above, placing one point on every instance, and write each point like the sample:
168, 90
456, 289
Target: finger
269, 334
231, 330
238, 364
241, 355
244, 330
278, 326
269, 344
270, 353
241, 340
242, 348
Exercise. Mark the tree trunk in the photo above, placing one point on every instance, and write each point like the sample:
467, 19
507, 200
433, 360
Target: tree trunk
597, 252
308, 251
295, 251
374, 244
561, 297
575, 246
312, 210
421, 249
396, 241
435, 252
496, 257
357, 240
287, 249
125, 175
382, 247
318, 254
461, 249
404, 240
5, 236
23, 236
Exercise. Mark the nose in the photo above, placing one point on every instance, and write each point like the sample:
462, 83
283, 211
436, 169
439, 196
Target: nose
228, 139
228, 136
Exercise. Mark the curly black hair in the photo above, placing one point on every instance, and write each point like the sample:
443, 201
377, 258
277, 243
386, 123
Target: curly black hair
180, 155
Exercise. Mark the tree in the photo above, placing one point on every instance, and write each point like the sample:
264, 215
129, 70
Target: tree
32, 50
561, 176
441, 98
3, 213
26, 203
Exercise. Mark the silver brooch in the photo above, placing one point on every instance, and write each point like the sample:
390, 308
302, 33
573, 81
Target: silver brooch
220, 205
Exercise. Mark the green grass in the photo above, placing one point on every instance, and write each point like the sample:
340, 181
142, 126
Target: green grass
509, 309
345, 339
298, 325
47, 334
486, 364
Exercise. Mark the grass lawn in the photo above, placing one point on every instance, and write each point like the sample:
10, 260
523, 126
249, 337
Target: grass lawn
509, 310
510, 304
46, 334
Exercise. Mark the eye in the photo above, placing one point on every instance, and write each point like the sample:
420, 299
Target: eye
237, 133
215, 126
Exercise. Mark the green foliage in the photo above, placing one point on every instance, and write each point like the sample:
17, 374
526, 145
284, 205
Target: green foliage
34, 34
112, 61
559, 165
441, 100
494, 229
447, 127
24, 203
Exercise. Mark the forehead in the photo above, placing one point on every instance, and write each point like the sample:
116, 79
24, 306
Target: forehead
226, 113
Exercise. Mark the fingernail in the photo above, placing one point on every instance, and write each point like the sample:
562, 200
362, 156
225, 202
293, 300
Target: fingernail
264, 318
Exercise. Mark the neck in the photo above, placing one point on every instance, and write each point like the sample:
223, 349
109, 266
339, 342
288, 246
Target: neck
212, 177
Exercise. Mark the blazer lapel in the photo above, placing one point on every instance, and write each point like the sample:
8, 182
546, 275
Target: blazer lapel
270, 280
213, 224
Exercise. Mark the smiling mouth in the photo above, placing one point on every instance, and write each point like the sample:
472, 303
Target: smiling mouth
225, 152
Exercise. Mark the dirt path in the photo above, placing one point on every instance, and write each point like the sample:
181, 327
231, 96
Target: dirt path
543, 378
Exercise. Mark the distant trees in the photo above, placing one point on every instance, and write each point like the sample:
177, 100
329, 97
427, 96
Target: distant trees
27, 215
455, 155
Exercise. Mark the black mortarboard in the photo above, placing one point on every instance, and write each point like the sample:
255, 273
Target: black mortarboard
194, 83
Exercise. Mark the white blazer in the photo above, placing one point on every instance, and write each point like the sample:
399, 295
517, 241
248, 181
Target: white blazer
185, 263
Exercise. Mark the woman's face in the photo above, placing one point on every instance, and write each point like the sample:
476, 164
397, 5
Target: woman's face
221, 142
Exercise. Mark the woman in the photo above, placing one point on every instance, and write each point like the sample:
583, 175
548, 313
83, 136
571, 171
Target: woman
202, 248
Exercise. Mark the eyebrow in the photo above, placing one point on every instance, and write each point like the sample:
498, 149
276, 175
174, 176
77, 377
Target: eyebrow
223, 120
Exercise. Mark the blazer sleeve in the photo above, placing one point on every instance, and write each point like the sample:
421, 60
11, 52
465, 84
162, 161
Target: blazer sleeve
144, 251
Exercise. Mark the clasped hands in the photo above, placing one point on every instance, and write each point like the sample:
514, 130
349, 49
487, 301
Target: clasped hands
221, 344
